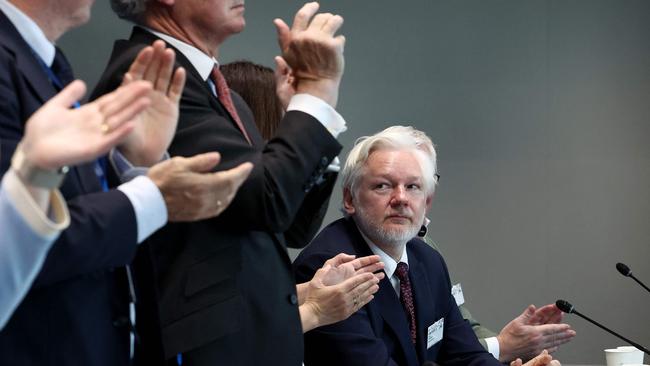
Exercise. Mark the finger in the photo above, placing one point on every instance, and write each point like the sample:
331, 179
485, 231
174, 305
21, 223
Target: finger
113, 103
281, 66
540, 360
362, 262
115, 136
319, 21
236, 175
284, 34
339, 259
165, 72
139, 65
69, 95
202, 162
332, 25
301, 20
152, 70
547, 314
552, 329
178, 84
356, 280
340, 42
127, 113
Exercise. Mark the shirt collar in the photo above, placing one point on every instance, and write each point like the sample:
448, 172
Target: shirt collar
390, 265
201, 62
30, 32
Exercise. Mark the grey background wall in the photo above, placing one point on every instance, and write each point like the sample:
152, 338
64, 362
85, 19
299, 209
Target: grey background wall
540, 111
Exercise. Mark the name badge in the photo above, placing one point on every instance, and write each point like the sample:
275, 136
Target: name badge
434, 333
457, 292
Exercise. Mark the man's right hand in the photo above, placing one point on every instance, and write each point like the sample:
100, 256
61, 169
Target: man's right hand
192, 191
313, 52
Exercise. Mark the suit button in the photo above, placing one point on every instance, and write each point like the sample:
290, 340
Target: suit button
324, 161
293, 299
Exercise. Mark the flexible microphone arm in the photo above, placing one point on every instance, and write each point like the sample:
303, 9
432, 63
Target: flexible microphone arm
627, 272
566, 307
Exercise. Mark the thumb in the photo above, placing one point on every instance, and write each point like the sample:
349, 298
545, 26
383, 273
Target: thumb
70, 94
527, 314
236, 175
284, 33
202, 162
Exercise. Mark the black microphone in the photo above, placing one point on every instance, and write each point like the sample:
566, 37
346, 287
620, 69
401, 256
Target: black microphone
627, 272
566, 307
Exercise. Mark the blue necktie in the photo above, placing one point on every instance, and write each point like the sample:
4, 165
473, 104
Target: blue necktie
60, 75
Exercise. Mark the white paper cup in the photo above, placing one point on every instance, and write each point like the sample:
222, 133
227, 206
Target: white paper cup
623, 356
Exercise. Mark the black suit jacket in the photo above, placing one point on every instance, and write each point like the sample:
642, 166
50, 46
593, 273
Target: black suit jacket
378, 334
226, 283
69, 316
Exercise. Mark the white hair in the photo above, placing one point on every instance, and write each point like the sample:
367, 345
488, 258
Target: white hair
392, 138
129, 9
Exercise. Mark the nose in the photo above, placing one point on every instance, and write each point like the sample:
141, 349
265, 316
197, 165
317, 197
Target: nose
399, 196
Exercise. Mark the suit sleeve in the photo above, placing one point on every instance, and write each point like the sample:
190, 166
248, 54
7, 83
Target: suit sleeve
102, 231
285, 169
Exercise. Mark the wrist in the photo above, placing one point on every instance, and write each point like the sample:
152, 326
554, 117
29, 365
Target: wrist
325, 89
32, 174
308, 317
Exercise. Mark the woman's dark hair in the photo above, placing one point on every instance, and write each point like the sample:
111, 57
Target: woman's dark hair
257, 86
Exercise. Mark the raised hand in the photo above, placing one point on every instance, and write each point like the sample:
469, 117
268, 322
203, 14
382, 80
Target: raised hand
93, 128
313, 52
153, 133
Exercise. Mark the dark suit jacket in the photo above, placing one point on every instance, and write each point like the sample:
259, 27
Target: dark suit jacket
68, 316
226, 283
378, 334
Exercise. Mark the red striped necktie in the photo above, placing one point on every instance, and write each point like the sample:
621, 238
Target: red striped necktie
223, 94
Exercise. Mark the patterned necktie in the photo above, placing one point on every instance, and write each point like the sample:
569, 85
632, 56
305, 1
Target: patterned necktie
406, 296
223, 94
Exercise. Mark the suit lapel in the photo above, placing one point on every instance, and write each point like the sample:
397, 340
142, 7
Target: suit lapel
26, 61
41, 86
386, 302
142, 36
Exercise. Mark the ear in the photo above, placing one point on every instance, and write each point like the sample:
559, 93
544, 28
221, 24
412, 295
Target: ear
430, 200
348, 205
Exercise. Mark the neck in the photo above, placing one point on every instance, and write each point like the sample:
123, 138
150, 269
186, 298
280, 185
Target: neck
160, 19
393, 250
52, 26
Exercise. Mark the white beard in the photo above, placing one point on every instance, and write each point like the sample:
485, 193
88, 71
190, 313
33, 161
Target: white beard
379, 235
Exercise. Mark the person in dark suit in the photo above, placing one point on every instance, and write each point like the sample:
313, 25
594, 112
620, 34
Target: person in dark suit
388, 184
76, 312
224, 287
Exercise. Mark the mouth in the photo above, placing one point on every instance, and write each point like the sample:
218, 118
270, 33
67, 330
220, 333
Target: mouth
399, 218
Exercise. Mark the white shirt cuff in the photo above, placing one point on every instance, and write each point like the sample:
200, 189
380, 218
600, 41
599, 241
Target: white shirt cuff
148, 204
47, 226
493, 346
320, 110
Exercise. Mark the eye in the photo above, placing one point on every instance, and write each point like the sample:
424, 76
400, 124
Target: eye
413, 187
381, 187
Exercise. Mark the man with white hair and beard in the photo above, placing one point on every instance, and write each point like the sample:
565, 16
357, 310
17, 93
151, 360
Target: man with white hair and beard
388, 185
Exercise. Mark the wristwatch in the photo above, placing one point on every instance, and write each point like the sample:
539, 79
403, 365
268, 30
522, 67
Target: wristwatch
34, 175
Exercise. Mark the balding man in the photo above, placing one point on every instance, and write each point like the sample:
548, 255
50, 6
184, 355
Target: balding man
224, 287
